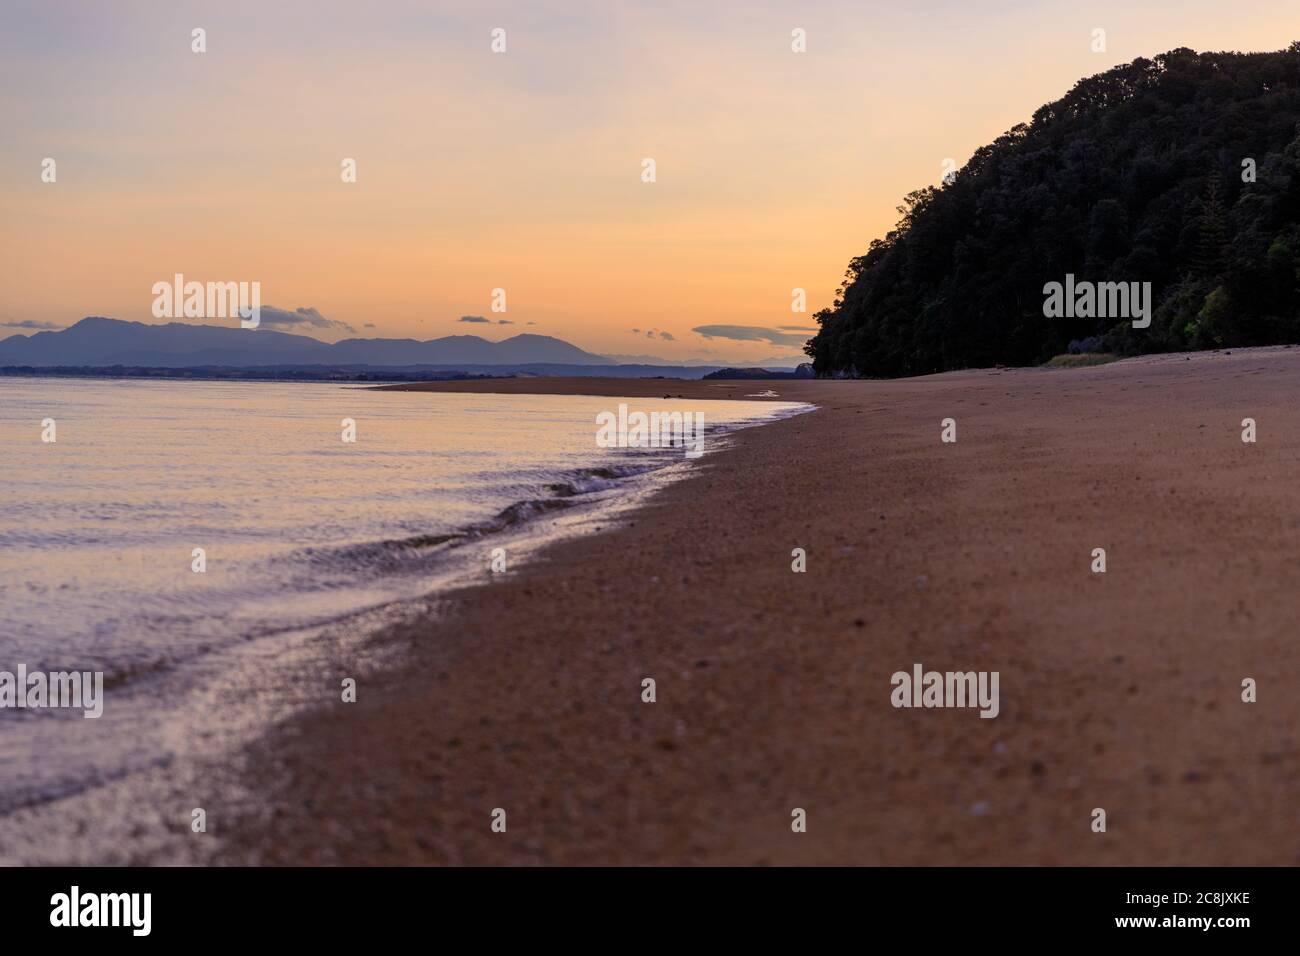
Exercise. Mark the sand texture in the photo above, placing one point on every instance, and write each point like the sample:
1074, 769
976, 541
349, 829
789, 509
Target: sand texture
1119, 690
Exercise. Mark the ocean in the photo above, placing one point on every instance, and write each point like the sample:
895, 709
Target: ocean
199, 542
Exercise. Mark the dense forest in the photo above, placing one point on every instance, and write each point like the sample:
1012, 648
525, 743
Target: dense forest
1182, 171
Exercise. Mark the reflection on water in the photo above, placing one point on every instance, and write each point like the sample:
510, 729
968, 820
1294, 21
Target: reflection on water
98, 530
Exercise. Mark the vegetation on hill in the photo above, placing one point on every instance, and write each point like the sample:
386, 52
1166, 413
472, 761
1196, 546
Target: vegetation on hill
1182, 171
805, 370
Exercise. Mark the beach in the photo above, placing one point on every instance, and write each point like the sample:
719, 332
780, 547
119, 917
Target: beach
1119, 690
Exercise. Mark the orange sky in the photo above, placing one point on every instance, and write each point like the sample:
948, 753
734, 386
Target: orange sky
519, 170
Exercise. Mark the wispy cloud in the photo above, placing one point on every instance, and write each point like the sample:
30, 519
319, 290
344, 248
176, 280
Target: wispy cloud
309, 317
472, 318
653, 333
750, 333
29, 324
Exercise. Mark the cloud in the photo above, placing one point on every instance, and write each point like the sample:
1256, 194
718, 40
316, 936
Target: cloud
369, 325
29, 324
530, 323
653, 333
797, 328
504, 322
471, 318
750, 333
273, 317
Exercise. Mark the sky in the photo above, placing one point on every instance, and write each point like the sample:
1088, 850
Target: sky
520, 170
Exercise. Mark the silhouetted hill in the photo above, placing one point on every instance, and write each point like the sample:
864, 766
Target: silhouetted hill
1139, 174
97, 341
370, 373
803, 371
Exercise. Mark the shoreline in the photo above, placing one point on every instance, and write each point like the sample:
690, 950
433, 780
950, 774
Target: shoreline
291, 657
1119, 691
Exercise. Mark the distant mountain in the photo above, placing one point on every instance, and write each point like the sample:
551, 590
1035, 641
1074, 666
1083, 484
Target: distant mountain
97, 341
620, 359
468, 349
368, 373
775, 361
780, 361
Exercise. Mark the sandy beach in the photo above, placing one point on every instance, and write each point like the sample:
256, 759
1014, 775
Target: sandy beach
1119, 690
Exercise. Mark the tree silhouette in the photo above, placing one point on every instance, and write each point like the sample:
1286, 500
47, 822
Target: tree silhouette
1135, 175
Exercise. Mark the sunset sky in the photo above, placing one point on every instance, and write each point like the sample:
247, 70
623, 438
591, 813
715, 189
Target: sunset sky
519, 170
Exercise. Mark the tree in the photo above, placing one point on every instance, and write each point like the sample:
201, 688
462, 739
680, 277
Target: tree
1132, 176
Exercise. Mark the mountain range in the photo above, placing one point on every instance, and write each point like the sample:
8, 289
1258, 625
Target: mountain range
100, 341
103, 343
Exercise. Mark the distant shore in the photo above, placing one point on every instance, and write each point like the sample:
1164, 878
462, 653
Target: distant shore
201, 373
788, 390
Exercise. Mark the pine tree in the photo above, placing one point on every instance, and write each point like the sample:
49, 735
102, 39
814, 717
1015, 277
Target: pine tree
1212, 233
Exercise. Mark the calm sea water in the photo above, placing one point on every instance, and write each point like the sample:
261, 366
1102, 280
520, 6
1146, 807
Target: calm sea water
98, 529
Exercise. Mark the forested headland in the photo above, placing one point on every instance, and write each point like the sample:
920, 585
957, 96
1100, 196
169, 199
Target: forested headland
1182, 170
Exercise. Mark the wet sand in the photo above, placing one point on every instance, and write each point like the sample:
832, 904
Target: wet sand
1119, 690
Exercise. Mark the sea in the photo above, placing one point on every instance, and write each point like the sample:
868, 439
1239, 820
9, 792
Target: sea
214, 548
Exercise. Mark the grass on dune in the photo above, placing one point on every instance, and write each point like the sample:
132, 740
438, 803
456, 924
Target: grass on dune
1079, 361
